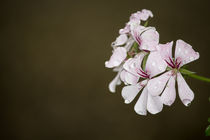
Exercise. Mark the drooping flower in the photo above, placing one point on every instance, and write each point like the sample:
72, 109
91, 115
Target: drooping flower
184, 54
154, 66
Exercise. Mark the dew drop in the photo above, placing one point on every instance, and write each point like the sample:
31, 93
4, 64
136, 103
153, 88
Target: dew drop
186, 52
191, 58
127, 101
113, 44
186, 102
160, 68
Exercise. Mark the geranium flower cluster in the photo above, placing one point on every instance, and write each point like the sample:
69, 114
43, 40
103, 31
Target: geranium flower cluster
145, 65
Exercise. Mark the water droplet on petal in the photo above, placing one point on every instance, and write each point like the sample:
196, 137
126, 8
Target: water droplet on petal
132, 65
191, 58
186, 102
153, 63
186, 52
113, 44
127, 101
160, 68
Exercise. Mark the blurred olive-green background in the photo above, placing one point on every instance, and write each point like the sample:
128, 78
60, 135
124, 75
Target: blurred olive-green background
53, 80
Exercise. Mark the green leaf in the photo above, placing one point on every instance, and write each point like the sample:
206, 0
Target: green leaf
208, 131
186, 72
209, 120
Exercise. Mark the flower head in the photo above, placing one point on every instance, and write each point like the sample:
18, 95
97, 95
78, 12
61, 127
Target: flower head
183, 54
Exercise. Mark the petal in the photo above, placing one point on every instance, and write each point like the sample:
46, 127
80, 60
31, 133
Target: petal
120, 40
130, 92
136, 33
149, 40
125, 30
145, 14
166, 50
169, 94
185, 93
156, 85
154, 104
128, 78
155, 64
116, 81
132, 65
122, 76
118, 56
134, 23
184, 53
141, 105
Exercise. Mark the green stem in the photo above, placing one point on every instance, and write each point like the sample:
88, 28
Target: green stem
144, 61
199, 77
193, 75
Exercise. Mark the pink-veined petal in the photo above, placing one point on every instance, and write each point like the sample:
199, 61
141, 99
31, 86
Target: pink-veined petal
149, 40
166, 50
132, 65
185, 93
120, 40
141, 105
154, 104
116, 81
156, 85
129, 78
184, 53
118, 56
130, 92
169, 94
155, 64
136, 33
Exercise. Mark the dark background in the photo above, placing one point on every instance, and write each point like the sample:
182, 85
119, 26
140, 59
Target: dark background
53, 80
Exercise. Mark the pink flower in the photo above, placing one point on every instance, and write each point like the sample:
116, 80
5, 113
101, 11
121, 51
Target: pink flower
154, 66
183, 54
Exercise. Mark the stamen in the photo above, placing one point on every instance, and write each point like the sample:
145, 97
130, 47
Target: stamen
171, 61
138, 39
178, 65
172, 66
143, 74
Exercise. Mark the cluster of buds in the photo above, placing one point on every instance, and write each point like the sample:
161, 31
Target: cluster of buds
144, 64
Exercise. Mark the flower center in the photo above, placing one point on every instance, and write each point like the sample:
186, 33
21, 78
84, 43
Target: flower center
173, 64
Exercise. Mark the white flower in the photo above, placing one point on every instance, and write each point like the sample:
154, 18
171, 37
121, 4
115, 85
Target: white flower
183, 54
154, 66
